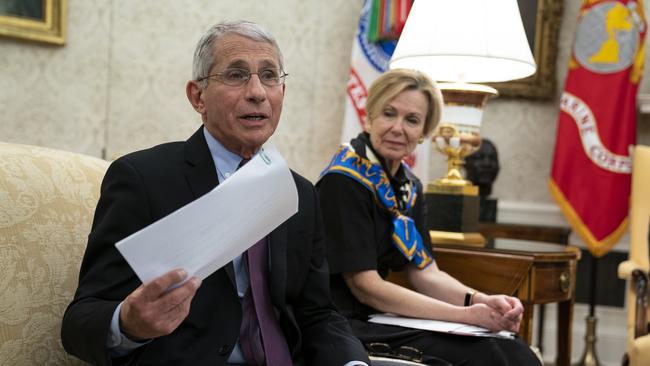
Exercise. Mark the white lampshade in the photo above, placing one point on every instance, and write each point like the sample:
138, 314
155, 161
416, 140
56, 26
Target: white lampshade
465, 41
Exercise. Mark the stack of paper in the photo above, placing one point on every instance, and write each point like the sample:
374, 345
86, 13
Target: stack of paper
438, 326
204, 235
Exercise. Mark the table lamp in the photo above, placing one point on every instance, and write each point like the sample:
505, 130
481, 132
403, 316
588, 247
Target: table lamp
460, 43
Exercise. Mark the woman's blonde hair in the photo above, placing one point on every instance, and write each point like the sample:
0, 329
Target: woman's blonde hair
393, 82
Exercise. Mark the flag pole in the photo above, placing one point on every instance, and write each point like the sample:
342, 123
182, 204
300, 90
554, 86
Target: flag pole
589, 356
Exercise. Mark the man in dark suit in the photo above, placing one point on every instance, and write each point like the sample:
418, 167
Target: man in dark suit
237, 88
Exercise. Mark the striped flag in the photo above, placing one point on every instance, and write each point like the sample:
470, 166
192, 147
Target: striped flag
590, 178
387, 19
369, 60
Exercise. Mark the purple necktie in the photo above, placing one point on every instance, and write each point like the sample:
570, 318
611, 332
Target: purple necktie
261, 338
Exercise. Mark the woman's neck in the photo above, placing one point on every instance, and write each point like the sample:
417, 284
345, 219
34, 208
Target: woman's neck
392, 166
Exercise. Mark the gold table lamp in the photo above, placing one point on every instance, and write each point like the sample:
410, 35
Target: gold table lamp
460, 42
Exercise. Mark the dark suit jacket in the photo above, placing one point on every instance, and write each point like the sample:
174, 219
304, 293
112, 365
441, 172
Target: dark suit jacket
145, 186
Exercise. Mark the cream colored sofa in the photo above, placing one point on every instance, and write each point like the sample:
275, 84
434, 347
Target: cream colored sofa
47, 199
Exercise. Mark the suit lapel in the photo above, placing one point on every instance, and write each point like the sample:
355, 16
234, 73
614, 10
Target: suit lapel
201, 175
278, 264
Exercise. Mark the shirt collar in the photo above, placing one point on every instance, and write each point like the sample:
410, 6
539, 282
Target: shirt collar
363, 141
225, 161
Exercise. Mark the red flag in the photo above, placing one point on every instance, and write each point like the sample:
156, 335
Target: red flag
590, 178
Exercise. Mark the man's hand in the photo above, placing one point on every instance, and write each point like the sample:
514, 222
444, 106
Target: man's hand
150, 312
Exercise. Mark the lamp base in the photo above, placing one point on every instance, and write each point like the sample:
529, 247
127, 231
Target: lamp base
453, 213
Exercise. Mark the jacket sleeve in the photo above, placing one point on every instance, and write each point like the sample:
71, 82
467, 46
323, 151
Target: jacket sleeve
105, 278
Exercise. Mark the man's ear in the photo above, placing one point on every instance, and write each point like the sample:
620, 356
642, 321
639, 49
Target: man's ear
194, 92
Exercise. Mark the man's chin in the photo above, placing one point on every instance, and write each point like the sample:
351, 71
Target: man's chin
255, 143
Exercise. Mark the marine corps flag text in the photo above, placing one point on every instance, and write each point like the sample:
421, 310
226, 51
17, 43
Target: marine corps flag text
590, 178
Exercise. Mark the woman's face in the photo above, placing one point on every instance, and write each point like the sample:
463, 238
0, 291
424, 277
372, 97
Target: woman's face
395, 131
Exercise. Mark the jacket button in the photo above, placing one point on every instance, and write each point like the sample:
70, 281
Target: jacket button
223, 350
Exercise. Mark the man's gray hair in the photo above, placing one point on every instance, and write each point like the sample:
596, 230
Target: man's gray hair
204, 56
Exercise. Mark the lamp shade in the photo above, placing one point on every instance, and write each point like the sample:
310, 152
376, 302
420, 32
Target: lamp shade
465, 41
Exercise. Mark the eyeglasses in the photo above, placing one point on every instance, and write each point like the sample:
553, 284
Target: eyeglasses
402, 352
239, 77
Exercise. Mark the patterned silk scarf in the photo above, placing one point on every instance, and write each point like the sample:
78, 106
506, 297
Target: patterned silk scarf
371, 175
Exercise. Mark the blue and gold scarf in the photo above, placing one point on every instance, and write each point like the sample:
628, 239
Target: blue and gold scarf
371, 175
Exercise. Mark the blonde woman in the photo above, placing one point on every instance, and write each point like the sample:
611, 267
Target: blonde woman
375, 221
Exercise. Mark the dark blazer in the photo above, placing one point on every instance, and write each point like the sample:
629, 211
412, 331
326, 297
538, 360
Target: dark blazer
145, 186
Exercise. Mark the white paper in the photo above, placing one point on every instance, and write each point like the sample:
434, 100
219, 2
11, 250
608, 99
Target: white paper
438, 326
209, 232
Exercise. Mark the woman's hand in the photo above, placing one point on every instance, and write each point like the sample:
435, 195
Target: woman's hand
509, 308
484, 316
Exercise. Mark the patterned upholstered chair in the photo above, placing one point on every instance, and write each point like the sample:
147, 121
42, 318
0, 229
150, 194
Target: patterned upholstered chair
47, 199
635, 269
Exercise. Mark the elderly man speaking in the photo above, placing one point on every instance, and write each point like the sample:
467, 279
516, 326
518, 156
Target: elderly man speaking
269, 306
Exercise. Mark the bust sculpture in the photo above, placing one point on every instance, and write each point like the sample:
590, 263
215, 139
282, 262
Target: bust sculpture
482, 169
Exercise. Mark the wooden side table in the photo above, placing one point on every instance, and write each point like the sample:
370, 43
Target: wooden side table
536, 273
549, 234
545, 233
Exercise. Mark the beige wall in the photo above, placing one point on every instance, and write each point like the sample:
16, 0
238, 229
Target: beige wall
119, 84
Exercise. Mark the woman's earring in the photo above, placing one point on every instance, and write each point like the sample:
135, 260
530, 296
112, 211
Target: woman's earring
421, 140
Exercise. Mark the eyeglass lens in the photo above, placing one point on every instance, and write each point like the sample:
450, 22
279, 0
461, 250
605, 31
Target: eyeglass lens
239, 77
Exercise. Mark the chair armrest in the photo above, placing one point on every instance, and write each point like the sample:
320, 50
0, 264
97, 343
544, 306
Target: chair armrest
627, 268
638, 277
639, 351
640, 281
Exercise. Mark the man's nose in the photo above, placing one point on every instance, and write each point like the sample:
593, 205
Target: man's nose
255, 90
